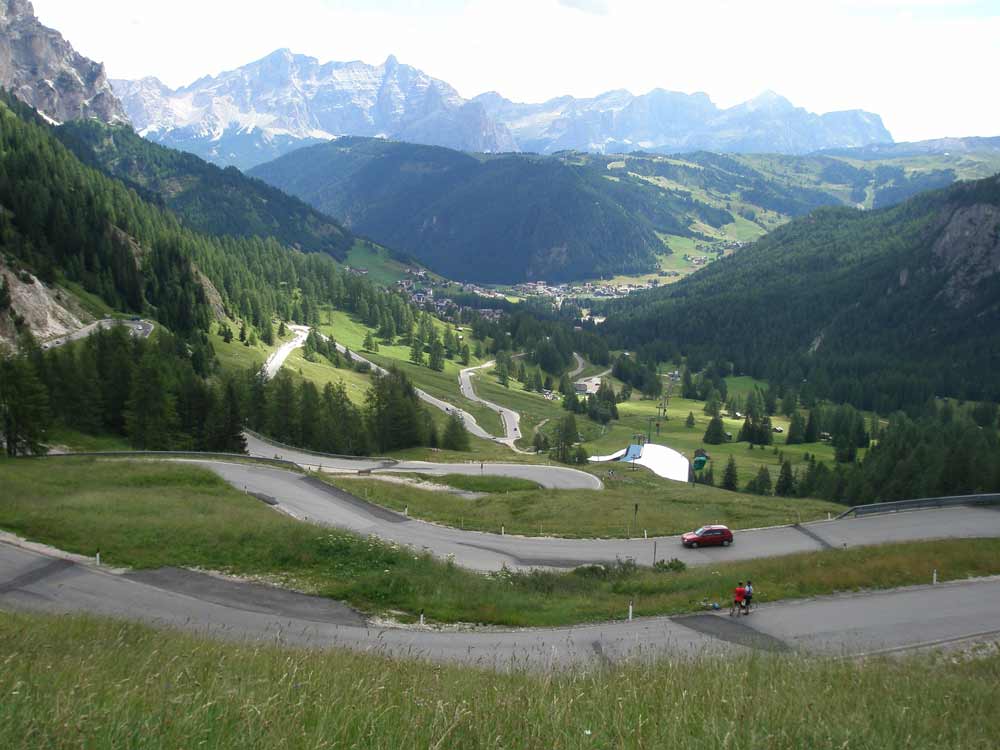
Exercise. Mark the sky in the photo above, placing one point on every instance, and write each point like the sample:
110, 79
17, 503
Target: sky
928, 67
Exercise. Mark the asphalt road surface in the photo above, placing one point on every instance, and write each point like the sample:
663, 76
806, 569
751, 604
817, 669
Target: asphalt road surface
510, 418
309, 499
139, 328
842, 625
471, 425
278, 357
550, 477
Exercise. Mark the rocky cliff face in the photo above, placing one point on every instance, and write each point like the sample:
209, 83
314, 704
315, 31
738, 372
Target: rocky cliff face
42, 69
262, 110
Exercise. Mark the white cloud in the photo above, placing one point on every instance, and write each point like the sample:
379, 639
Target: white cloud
924, 65
599, 7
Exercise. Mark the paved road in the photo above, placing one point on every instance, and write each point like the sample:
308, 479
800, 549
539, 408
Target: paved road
278, 357
580, 364
843, 625
139, 328
510, 418
550, 477
310, 499
467, 419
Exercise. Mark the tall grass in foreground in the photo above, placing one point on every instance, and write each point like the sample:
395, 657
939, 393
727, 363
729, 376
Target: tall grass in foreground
79, 682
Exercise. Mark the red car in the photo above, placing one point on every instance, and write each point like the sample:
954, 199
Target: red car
707, 535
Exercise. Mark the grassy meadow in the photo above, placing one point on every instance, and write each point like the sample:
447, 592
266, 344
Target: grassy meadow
665, 507
94, 683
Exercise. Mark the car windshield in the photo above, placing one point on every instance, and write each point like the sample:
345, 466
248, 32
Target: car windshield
701, 531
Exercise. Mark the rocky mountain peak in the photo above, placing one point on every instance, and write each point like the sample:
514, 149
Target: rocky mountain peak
42, 69
255, 113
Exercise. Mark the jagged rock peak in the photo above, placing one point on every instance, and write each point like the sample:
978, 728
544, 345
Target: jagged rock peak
42, 69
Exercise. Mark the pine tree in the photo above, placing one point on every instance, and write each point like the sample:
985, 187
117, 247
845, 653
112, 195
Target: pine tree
812, 428
150, 415
716, 432
283, 409
24, 407
369, 343
436, 361
267, 332
689, 422
417, 351
466, 354
730, 478
796, 430
785, 486
789, 402
308, 408
688, 389
760, 484
243, 331
281, 329
456, 437
566, 435
4, 294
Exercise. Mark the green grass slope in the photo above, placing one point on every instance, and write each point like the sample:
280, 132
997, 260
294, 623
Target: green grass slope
64, 686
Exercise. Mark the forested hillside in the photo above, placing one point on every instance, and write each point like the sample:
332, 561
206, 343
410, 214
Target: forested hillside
207, 198
881, 309
68, 223
570, 216
488, 218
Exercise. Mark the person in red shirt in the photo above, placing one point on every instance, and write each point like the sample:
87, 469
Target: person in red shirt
738, 596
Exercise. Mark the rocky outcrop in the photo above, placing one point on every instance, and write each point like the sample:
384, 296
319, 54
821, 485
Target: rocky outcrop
46, 311
969, 249
42, 69
256, 113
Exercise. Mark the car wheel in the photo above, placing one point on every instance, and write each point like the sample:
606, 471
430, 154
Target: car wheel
726, 543
694, 545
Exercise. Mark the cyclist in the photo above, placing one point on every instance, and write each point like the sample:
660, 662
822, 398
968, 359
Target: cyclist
747, 597
738, 596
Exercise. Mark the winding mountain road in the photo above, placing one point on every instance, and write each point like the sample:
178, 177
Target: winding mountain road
310, 499
510, 418
139, 328
278, 357
471, 425
847, 625
550, 477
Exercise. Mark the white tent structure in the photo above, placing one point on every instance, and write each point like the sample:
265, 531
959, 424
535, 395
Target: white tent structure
663, 461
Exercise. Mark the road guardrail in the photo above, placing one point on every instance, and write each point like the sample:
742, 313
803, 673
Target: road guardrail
896, 506
280, 462
387, 462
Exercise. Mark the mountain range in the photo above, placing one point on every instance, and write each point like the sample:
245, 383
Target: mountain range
669, 121
255, 113
41, 68
251, 115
